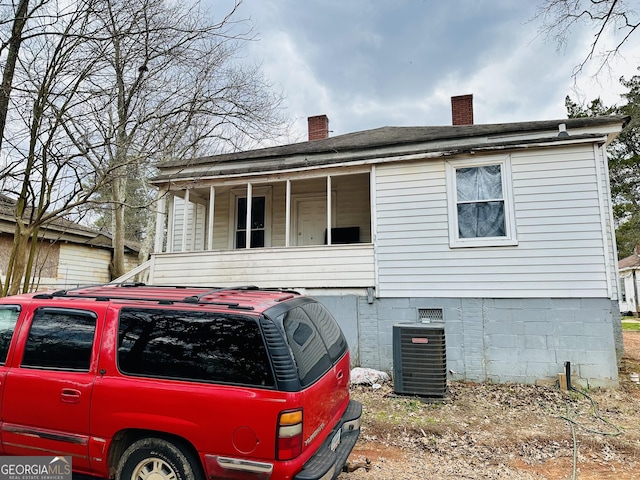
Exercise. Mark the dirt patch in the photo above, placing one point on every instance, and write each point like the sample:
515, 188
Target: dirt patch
485, 431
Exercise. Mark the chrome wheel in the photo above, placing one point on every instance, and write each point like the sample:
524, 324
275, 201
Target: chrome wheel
159, 459
153, 469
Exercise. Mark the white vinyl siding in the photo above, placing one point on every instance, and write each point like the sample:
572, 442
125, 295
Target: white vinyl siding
196, 227
561, 250
302, 267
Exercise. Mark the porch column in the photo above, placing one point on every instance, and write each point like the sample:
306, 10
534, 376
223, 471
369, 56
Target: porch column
248, 223
373, 208
185, 218
287, 227
328, 209
212, 202
170, 223
161, 205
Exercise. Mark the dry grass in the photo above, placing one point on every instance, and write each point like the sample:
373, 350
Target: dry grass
493, 431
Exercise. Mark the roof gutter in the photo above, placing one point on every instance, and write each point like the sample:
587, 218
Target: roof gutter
379, 159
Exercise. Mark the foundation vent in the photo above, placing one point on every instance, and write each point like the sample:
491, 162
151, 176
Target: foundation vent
428, 315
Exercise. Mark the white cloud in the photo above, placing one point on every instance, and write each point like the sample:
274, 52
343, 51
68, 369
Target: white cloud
368, 63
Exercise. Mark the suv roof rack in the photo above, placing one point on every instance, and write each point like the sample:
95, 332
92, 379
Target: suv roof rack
101, 293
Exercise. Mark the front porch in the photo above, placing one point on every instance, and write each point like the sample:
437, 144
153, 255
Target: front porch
306, 230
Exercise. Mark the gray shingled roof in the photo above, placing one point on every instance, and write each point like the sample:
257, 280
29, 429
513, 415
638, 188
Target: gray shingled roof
392, 136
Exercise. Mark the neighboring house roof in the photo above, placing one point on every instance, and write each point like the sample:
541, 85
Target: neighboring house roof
60, 229
631, 262
387, 142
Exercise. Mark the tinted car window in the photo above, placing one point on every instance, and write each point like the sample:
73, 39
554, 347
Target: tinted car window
60, 339
8, 318
329, 330
190, 345
307, 345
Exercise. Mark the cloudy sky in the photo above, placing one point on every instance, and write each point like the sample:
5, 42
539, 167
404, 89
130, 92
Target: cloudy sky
372, 63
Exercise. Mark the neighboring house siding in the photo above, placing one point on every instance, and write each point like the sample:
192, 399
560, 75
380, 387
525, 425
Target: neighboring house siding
81, 265
46, 260
560, 251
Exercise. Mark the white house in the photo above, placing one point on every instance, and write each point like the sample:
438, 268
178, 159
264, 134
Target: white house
501, 234
629, 268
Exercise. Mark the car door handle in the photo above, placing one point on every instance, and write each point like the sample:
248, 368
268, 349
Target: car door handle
70, 395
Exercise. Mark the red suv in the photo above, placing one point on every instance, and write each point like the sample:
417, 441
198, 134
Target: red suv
163, 382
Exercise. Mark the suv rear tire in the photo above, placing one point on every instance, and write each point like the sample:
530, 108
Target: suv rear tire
157, 459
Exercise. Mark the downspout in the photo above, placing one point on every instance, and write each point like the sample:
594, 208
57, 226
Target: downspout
374, 225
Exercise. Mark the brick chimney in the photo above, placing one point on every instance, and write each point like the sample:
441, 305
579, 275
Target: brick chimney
318, 127
462, 110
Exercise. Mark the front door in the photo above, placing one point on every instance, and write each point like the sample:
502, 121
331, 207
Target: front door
311, 221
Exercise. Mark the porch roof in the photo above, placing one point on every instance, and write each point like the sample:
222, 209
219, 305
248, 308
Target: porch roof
390, 141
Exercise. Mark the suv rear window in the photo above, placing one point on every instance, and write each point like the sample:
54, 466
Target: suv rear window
191, 345
315, 340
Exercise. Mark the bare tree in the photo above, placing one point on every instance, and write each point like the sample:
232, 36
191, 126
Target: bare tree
104, 89
620, 18
169, 86
46, 172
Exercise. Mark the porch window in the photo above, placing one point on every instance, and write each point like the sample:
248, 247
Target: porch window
480, 203
258, 207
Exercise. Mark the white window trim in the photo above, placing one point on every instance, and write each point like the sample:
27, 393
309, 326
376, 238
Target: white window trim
242, 193
510, 237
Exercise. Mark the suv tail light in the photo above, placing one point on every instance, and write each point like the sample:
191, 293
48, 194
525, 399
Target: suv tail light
289, 440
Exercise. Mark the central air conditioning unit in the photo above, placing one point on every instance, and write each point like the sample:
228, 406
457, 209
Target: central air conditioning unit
419, 360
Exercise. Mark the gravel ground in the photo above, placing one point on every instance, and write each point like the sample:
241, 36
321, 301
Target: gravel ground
485, 431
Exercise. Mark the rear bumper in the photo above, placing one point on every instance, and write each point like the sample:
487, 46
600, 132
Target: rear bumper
327, 462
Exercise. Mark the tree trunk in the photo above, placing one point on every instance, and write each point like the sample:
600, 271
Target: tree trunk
118, 188
18, 256
10, 66
33, 251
